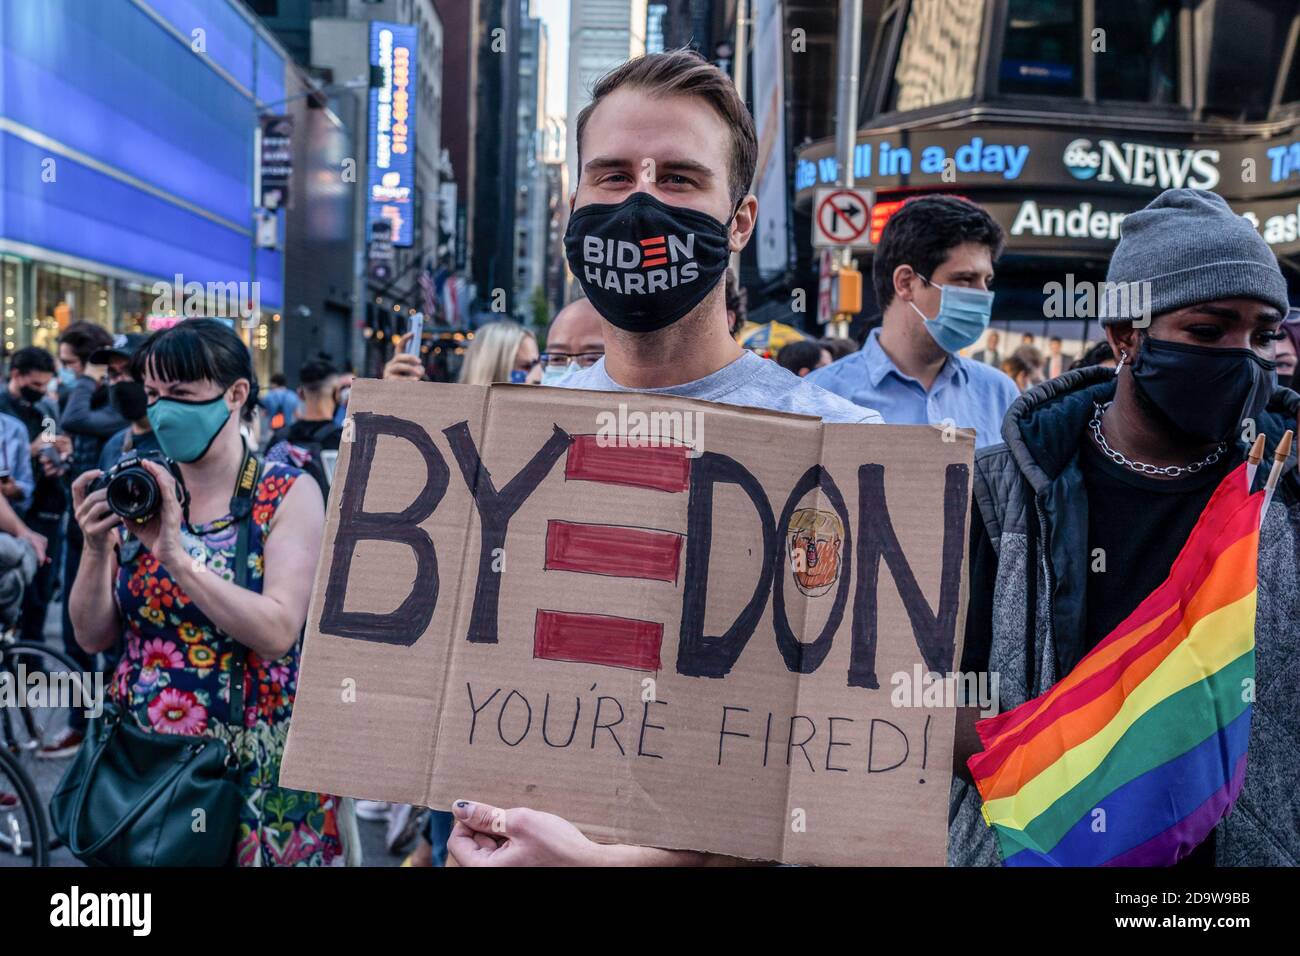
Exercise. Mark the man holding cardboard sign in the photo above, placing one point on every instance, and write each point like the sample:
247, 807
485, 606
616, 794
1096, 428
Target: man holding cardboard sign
740, 681
679, 117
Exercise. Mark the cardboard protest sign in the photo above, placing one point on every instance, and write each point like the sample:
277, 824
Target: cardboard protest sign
675, 623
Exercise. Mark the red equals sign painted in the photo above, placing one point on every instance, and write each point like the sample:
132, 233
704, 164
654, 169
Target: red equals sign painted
598, 639
622, 461
612, 551
655, 252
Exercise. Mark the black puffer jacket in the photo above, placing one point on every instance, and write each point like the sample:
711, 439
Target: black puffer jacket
1032, 503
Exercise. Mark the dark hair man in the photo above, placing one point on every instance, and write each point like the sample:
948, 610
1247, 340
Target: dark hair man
666, 148
803, 357
1099, 354
931, 272
989, 355
838, 347
279, 405
575, 340
90, 419
304, 442
1120, 463
26, 400
1057, 361
87, 415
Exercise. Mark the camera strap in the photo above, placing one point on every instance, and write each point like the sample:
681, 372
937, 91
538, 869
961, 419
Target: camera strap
241, 510
241, 503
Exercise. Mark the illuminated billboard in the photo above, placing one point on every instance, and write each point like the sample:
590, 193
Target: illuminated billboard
391, 184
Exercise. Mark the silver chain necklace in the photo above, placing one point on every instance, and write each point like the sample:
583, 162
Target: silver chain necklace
1172, 471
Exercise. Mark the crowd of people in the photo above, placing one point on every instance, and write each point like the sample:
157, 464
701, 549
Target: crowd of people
168, 608
1118, 448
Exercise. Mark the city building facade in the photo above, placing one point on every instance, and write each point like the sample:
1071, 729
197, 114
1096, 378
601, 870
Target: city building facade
1060, 118
127, 196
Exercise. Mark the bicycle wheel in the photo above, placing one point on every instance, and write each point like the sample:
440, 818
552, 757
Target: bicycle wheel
65, 691
24, 838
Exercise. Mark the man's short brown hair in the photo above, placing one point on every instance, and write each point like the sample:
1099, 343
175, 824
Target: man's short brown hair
686, 73
84, 338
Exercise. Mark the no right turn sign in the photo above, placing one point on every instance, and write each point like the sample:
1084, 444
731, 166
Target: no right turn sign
841, 217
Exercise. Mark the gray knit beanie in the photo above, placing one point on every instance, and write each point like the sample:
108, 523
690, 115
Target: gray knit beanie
1190, 247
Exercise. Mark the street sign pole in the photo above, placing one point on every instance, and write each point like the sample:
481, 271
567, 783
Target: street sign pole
846, 107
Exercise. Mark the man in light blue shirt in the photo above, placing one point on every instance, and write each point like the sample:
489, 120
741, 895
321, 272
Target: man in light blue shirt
931, 273
16, 464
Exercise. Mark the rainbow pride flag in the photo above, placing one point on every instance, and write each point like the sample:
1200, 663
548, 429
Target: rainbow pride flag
1133, 757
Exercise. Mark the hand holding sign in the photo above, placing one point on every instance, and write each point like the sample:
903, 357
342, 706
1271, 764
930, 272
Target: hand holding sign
485, 835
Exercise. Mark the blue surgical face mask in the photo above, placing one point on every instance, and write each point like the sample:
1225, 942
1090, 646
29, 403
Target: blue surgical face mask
66, 377
552, 374
963, 316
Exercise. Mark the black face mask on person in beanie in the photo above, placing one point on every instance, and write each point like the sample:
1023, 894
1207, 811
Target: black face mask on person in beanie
129, 399
643, 263
1208, 394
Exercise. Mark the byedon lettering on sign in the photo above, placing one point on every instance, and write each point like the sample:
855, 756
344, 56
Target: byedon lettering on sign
501, 586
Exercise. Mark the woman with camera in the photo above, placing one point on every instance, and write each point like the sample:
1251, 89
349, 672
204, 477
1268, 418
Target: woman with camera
213, 585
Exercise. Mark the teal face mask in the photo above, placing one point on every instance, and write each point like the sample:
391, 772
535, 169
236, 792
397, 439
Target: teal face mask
186, 430
963, 316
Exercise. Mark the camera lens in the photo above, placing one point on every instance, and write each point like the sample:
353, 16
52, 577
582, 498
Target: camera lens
133, 494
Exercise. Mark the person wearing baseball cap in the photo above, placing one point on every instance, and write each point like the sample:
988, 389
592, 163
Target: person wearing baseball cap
98, 361
1102, 473
126, 395
123, 346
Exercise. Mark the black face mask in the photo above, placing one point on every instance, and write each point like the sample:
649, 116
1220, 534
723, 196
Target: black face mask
645, 264
31, 395
1208, 394
129, 399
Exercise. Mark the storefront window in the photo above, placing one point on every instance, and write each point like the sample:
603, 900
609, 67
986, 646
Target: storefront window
1133, 45
133, 304
264, 343
938, 54
1041, 54
11, 306
64, 296
1141, 59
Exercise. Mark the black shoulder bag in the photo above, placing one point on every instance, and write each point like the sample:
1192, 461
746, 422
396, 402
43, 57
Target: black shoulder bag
133, 797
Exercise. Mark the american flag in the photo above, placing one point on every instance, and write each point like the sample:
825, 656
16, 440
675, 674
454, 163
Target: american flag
426, 286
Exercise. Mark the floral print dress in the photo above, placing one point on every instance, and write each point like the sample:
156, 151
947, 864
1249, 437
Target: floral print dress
174, 678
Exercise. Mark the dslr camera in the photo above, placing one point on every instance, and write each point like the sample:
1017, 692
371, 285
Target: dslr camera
133, 493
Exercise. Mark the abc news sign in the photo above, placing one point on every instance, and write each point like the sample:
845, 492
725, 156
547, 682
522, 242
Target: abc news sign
1060, 192
1017, 158
1141, 164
